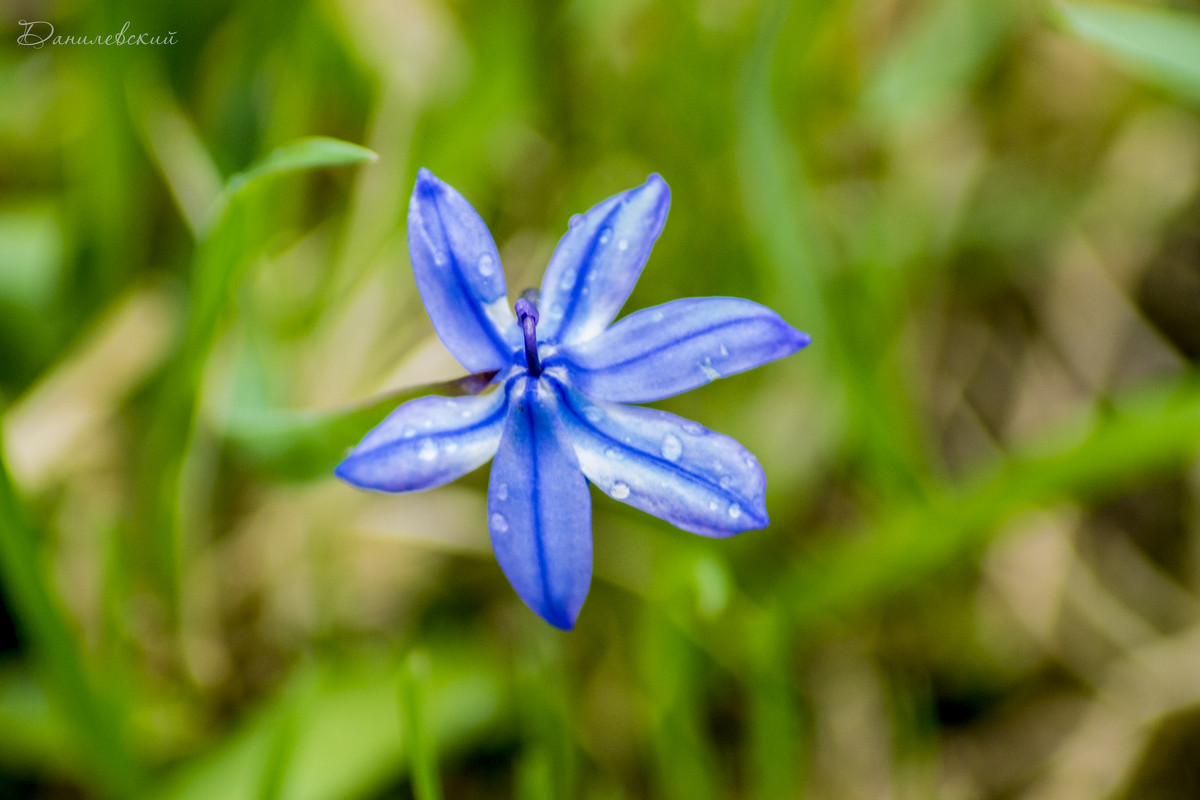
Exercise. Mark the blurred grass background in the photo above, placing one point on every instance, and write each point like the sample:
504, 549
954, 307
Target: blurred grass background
981, 576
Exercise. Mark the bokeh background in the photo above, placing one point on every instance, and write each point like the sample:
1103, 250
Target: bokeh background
981, 576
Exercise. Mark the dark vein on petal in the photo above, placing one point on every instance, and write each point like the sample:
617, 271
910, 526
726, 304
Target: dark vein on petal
538, 522
476, 308
670, 466
585, 268
564, 355
501, 411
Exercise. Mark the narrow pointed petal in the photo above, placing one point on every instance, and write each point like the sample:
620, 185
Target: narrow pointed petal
539, 509
670, 467
427, 442
458, 274
662, 351
598, 261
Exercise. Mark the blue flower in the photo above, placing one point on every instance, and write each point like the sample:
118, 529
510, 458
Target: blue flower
563, 375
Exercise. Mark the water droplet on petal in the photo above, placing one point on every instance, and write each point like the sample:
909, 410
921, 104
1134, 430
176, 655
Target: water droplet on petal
620, 490
724, 350
712, 505
408, 432
623, 244
735, 511
593, 413
427, 423
556, 310
605, 235
692, 428
428, 450
568, 279
487, 265
499, 523
725, 482
502, 491
707, 368
613, 454
439, 257
575, 220
451, 446
672, 448
657, 316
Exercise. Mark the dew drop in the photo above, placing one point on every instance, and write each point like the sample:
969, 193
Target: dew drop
623, 244
428, 450
502, 491
593, 414
657, 316
427, 423
439, 257
712, 505
724, 350
575, 220
692, 428
487, 265
499, 523
707, 368
735, 511
451, 446
725, 482
613, 454
556, 310
620, 490
605, 235
672, 448
568, 279
408, 432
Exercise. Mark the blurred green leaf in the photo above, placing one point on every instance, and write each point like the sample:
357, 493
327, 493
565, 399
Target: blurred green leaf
96, 718
309, 153
1162, 45
235, 235
348, 737
307, 445
1144, 433
418, 728
935, 59
31, 255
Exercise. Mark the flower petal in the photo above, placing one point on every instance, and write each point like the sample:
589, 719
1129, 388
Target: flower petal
539, 509
598, 261
458, 275
427, 442
668, 349
667, 466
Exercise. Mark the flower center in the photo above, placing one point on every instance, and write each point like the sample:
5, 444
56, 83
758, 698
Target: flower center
527, 317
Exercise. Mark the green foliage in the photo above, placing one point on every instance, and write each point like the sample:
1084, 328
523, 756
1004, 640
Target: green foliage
982, 476
1161, 44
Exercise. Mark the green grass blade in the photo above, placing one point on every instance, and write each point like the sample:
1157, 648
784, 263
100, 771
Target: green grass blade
97, 720
1161, 45
418, 732
307, 445
1146, 433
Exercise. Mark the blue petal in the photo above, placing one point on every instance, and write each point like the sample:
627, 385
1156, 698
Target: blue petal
670, 467
668, 349
539, 509
458, 275
598, 261
427, 442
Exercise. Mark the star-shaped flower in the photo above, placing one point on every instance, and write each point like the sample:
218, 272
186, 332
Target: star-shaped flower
563, 375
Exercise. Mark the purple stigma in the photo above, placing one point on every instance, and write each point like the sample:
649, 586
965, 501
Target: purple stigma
527, 317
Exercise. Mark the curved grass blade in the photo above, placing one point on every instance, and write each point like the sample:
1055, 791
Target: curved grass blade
307, 445
1161, 45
